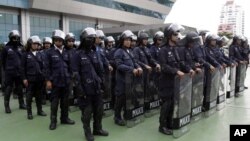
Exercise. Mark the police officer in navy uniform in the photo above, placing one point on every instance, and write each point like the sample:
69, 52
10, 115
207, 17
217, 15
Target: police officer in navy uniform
133, 42
235, 50
143, 55
155, 48
32, 75
125, 63
46, 44
171, 66
11, 63
90, 96
212, 51
71, 48
187, 55
57, 76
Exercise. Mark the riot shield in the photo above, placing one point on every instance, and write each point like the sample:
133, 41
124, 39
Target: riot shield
197, 95
107, 95
240, 79
221, 98
134, 109
231, 76
211, 92
182, 105
151, 98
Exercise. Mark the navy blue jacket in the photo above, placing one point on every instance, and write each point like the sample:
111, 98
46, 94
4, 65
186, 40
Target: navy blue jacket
186, 54
88, 68
235, 53
32, 67
154, 50
125, 63
200, 56
11, 59
57, 67
143, 57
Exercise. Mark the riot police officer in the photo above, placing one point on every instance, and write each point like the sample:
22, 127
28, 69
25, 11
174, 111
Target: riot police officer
32, 75
125, 63
187, 55
57, 76
11, 63
171, 65
133, 42
155, 48
235, 50
90, 96
46, 44
47, 41
71, 48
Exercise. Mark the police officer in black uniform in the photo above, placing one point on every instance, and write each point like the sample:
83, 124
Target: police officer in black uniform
155, 48
125, 63
187, 55
57, 76
71, 48
32, 75
11, 63
235, 50
171, 65
90, 96
47, 42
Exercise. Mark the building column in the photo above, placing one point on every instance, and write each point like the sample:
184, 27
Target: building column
25, 24
65, 23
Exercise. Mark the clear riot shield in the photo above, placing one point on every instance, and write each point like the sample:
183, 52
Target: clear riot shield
134, 109
107, 95
221, 98
231, 76
182, 105
197, 96
211, 92
240, 79
151, 98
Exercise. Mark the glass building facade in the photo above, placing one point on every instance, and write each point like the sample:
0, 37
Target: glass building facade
43, 26
125, 7
76, 27
8, 22
15, 3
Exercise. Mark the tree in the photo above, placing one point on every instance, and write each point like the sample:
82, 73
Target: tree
229, 35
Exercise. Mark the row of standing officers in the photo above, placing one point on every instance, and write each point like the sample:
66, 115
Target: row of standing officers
60, 67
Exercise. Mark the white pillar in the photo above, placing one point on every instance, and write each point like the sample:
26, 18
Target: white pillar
65, 22
25, 24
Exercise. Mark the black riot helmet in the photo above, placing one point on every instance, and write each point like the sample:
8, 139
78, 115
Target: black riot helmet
142, 35
192, 37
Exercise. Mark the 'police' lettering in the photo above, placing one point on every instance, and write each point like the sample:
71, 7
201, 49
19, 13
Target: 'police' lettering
137, 112
154, 104
184, 120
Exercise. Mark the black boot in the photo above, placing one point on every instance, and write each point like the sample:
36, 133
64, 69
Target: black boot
40, 112
7, 107
7, 99
100, 132
21, 104
67, 121
165, 130
52, 125
88, 135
